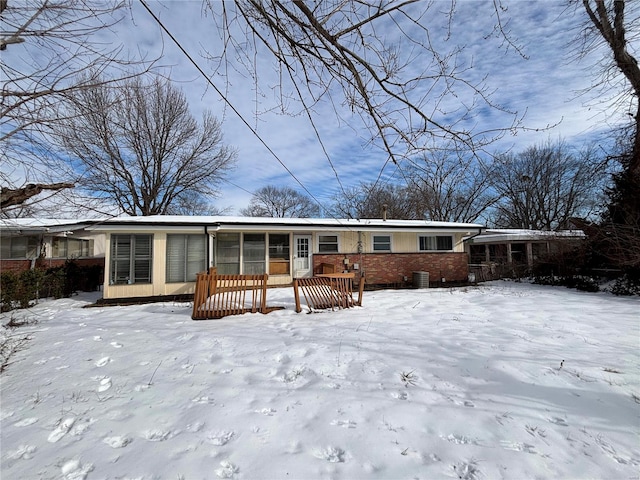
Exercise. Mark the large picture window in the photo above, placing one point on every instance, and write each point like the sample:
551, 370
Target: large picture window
186, 256
436, 243
63, 247
19, 247
130, 259
228, 253
253, 253
327, 243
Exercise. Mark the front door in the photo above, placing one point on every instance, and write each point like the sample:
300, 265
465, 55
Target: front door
302, 265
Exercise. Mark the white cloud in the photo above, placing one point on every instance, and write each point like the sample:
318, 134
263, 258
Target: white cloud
544, 86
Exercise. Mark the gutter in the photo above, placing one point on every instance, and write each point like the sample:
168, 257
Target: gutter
480, 230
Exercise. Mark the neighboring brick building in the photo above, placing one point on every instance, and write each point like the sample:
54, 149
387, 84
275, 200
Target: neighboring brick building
27, 243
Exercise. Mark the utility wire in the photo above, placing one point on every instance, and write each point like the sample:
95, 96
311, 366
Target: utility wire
226, 100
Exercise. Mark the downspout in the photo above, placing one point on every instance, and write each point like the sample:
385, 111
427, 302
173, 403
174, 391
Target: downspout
474, 236
208, 256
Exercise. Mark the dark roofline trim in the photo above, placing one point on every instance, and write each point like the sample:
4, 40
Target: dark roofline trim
307, 226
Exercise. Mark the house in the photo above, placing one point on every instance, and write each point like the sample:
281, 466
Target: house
29, 242
160, 255
497, 253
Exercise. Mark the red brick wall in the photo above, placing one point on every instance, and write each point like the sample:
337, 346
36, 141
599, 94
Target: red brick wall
14, 265
21, 265
392, 268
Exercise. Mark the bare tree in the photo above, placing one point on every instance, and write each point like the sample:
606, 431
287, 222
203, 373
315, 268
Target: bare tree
45, 45
380, 59
544, 186
137, 146
280, 202
371, 200
450, 186
609, 22
616, 23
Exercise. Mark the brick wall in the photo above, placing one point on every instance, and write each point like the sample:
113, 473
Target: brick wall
21, 265
392, 268
14, 265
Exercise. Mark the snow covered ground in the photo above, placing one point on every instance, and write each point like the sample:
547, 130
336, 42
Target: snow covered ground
505, 380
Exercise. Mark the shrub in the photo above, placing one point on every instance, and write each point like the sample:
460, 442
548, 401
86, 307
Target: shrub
627, 284
8, 290
30, 282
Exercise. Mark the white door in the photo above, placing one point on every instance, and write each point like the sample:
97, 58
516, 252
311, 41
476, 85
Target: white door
302, 266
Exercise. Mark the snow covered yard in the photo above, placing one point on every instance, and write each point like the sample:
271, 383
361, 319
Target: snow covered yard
505, 380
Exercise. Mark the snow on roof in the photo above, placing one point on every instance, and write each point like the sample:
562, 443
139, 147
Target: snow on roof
228, 222
44, 224
511, 234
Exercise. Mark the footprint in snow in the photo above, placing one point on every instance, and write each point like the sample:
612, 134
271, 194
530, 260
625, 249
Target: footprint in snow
330, 454
61, 430
204, 399
266, 411
158, 435
103, 361
24, 452
116, 345
399, 395
227, 469
221, 438
460, 439
518, 447
26, 422
467, 470
97, 338
75, 470
117, 441
344, 423
558, 421
105, 384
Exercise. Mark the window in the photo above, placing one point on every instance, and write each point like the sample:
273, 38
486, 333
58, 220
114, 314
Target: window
19, 247
278, 254
253, 253
185, 257
327, 243
63, 247
130, 259
436, 243
228, 253
382, 243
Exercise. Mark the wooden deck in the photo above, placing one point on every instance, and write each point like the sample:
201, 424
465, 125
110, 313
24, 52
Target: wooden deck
332, 291
218, 296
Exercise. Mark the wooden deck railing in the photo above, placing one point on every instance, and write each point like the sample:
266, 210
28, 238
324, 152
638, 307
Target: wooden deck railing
217, 296
327, 291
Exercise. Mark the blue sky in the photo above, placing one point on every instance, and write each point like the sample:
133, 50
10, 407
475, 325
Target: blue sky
544, 89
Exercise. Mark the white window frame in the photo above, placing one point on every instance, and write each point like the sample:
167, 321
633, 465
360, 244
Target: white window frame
190, 254
13, 250
132, 258
61, 250
420, 249
384, 250
235, 248
327, 234
249, 264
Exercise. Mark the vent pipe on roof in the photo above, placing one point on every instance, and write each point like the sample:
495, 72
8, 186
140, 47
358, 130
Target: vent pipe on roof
384, 212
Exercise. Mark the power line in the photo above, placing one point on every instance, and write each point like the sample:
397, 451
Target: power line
226, 100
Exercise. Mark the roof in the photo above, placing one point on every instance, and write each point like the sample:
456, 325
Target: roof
43, 225
218, 223
514, 235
